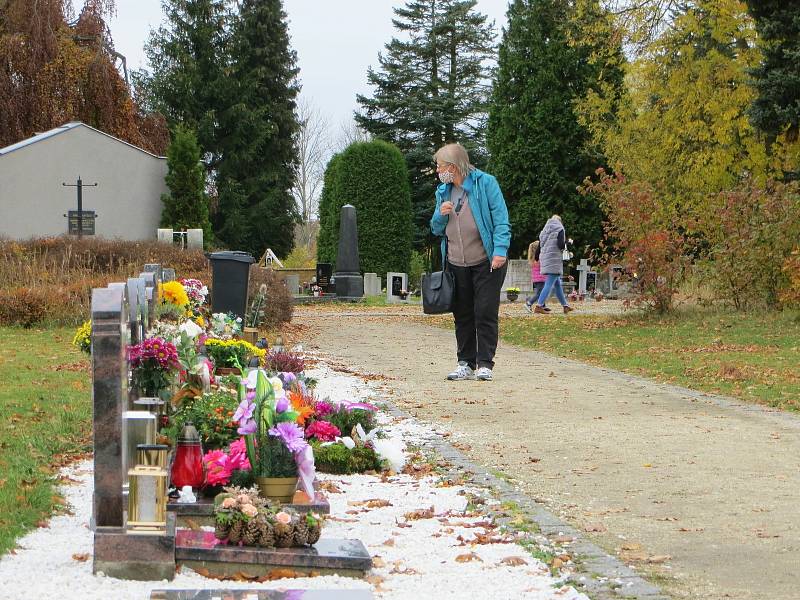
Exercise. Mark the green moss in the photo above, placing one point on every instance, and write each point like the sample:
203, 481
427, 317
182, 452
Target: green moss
340, 460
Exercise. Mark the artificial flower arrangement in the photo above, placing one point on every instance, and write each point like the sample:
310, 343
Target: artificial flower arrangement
276, 445
225, 326
231, 353
83, 337
154, 365
284, 362
241, 516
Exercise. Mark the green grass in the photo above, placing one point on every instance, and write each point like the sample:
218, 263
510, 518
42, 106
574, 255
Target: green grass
752, 356
45, 399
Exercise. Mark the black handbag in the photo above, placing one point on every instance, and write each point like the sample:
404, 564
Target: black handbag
438, 290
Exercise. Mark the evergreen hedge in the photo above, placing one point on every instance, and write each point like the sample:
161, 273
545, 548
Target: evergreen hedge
371, 176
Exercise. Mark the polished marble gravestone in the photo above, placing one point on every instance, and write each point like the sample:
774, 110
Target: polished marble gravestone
254, 594
202, 511
202, 552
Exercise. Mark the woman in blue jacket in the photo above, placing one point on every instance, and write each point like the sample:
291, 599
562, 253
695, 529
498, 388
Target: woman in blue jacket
472, 215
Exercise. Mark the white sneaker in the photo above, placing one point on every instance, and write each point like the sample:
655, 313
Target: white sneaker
461, 372
483, 374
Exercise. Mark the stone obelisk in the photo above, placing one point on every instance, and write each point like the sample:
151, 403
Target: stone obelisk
349, 282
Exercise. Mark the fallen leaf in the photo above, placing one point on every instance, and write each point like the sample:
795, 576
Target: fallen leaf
81, 557
659, 558
378, 562
595, 528
389, 542
513, 561
469, 557
422, 513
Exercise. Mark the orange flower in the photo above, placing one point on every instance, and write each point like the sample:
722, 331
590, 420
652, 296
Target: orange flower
301, 405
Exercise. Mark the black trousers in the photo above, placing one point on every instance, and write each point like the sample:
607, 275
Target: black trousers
475, 310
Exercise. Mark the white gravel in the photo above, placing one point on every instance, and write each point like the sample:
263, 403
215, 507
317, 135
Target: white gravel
416, 561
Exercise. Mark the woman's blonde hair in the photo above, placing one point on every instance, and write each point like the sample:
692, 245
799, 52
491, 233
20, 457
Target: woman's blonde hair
454, 154
532, 251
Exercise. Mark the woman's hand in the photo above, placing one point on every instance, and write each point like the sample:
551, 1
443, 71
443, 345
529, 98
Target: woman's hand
446, 208
498, 261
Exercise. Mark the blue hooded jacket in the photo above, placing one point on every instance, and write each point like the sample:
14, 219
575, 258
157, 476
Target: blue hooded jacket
488, 208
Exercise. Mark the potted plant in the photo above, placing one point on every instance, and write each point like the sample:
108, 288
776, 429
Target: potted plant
276, 445
230, 356
512, 293
154, 364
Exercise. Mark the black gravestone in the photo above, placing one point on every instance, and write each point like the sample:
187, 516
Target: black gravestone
349, 282
324, 274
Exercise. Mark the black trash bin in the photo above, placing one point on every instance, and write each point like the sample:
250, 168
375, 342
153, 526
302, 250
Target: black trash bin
230, 272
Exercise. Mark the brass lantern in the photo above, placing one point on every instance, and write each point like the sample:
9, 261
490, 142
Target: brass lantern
147, 492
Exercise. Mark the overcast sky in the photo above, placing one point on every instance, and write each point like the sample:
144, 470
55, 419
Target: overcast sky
335, 42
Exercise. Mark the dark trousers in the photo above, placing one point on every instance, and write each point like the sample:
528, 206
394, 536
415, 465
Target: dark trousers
475, 310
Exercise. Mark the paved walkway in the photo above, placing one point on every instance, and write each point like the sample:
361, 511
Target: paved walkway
701, 494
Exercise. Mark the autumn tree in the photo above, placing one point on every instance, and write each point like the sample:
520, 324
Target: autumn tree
59, 68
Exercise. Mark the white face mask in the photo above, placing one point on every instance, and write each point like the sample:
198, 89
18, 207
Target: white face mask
446, 176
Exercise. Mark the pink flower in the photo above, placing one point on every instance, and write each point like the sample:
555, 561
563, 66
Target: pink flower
323, 431
228, 503
250, 510
283, 517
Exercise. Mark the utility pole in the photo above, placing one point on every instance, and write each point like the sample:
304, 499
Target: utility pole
80, 185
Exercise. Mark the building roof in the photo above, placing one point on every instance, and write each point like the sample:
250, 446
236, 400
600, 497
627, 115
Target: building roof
67, 127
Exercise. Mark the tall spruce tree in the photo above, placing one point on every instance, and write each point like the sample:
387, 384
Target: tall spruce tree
257, 128
777, 78
329, 213
431, 88
186, 205
187, 55
539, 151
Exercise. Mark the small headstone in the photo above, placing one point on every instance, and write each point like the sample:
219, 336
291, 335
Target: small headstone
324, 274
155, 268
164, 236
169, 274
396, 283
194, 239
135, 299
349, 282
293, 284
372, 284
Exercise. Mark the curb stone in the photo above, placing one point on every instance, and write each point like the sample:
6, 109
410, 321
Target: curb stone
598, 574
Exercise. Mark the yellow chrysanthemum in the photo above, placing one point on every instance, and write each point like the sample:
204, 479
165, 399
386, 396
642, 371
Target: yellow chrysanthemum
200, 321
83, 337
174, 293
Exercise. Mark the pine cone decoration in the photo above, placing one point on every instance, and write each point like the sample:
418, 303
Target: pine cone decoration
314, 532
252, 532
284, 535
300, 532
236, 531
221, 530
267, 534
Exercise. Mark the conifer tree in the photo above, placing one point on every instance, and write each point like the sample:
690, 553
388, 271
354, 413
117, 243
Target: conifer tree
431, 89
777, 78
186, 206
187, 55
328, 214
258, 126
539, 151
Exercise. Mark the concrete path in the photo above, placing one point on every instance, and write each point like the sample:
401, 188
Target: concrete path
700, 494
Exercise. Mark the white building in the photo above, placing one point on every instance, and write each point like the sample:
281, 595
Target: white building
127, 199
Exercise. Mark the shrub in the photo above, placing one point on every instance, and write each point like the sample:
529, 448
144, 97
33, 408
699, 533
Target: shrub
279, 302
791, 267
415, 270
23, 306
639, 234
372, 176
340, 460
751, 232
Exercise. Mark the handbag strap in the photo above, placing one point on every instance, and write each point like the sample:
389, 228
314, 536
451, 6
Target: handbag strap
444, 258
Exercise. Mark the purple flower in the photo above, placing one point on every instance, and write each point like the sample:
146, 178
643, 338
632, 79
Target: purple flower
291, 435
247, 427
287, 377
323, 408
245, 410
281, 405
